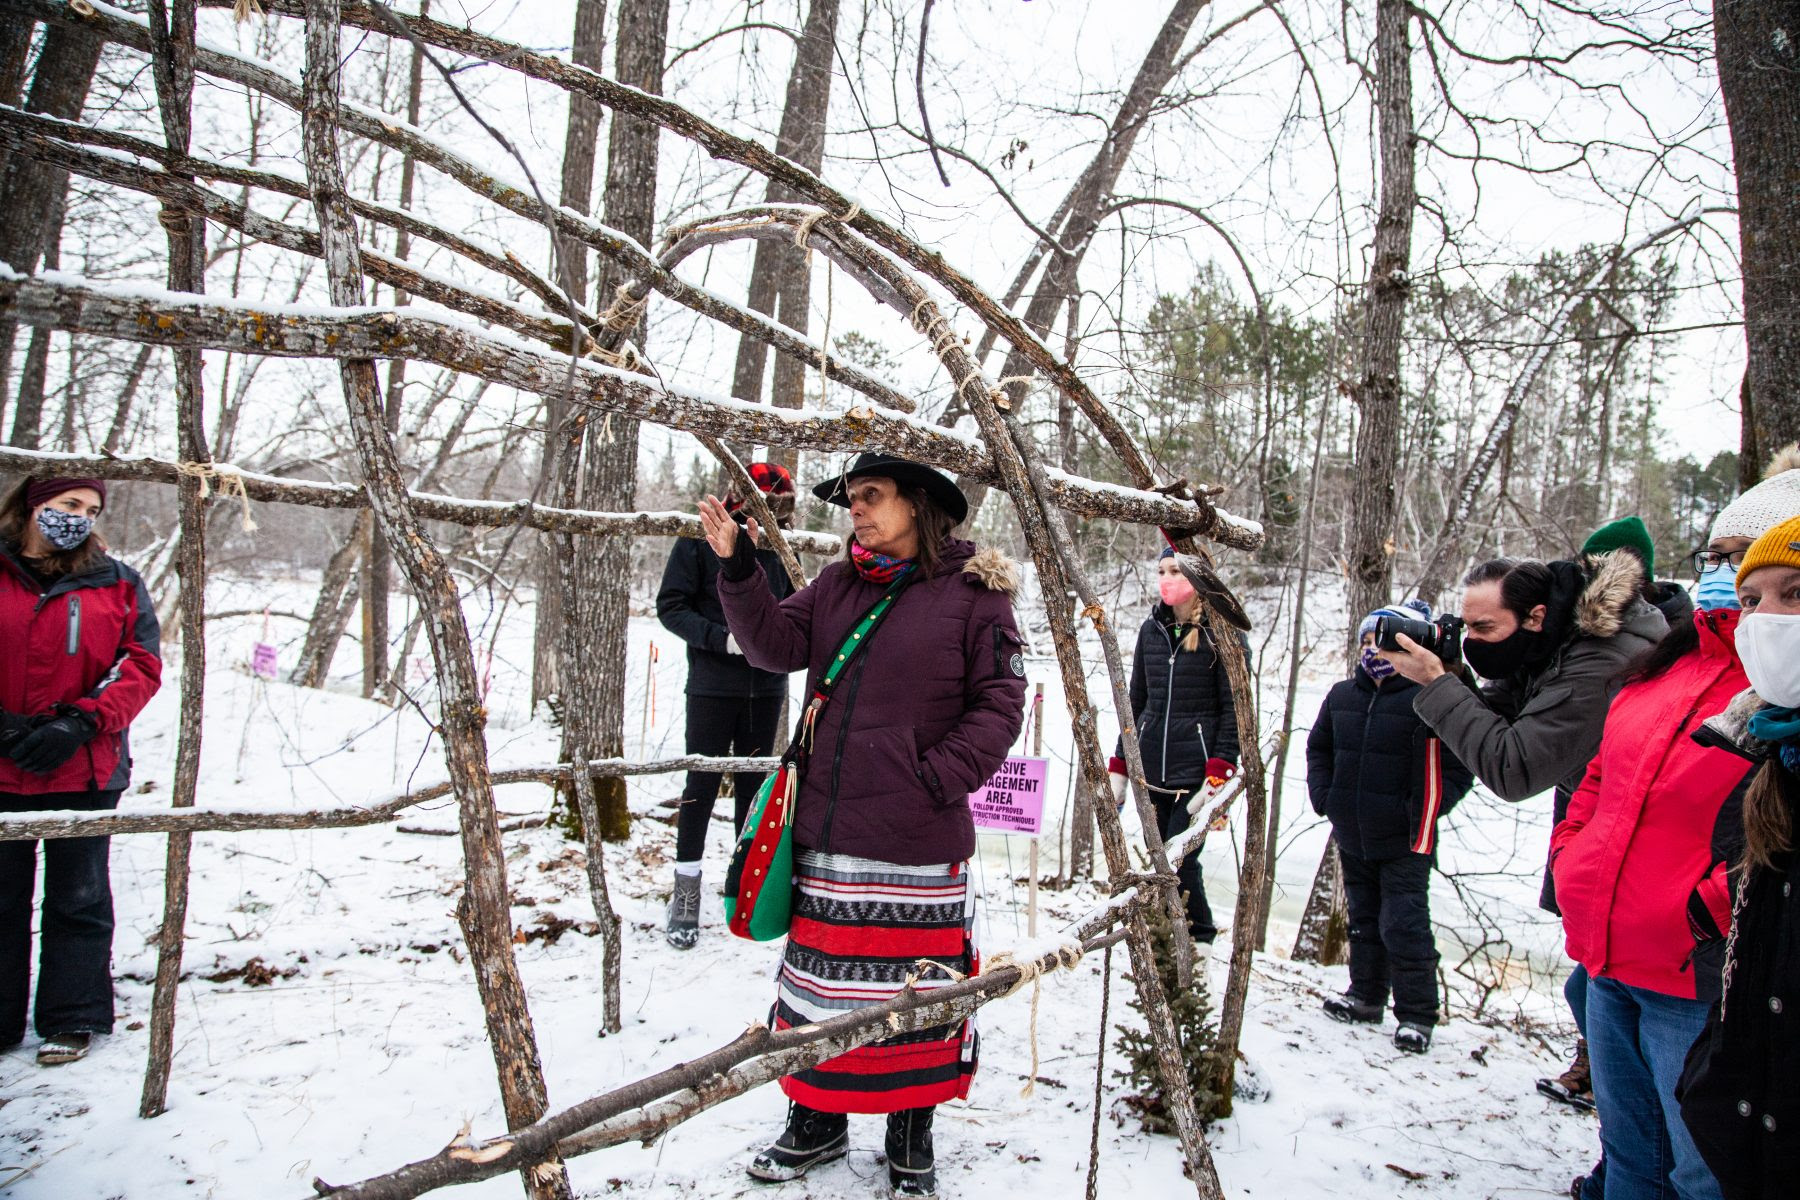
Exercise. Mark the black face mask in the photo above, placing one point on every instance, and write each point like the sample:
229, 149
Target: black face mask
1498, 660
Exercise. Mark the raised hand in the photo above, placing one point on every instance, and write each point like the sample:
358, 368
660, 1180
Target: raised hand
721, 528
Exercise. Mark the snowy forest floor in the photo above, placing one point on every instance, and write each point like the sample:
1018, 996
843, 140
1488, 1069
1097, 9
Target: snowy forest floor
328, 1025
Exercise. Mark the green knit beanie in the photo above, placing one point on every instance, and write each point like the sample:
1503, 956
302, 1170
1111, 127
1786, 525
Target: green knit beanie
1626, 533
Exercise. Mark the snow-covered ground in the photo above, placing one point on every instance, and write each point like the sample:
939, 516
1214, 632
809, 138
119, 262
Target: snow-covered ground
355, 1041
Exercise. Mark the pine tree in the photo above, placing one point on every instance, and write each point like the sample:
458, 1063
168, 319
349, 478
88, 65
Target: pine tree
1194, 1025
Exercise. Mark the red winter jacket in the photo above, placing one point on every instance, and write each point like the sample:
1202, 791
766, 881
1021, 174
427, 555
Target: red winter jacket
91, 641
1633, 859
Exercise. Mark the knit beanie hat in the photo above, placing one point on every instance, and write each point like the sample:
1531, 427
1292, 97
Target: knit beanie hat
1626, 533
1776, 498
1779, 547
1408, 610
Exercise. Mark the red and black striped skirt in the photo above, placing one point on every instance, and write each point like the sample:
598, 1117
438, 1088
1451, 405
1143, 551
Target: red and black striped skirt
860, 927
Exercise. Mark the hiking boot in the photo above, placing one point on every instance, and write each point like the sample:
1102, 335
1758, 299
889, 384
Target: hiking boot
1575, 1086
1413, 1039
683, 929
811, 1137
912, 1166
61, 1048
1351, 1011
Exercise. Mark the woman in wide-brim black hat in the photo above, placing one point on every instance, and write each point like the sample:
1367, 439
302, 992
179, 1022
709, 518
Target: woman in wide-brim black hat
923, 715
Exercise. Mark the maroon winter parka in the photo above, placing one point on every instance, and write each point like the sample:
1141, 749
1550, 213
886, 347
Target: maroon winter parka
923, 716
89, 640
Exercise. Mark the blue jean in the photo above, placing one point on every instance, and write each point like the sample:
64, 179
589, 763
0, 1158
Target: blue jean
1575, 990
1637, 1041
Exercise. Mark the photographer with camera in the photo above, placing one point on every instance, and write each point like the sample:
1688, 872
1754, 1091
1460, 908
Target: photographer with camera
1550, 640
1383, 779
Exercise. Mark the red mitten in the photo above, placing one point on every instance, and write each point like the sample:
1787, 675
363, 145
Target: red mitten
1116, 766
1218, 768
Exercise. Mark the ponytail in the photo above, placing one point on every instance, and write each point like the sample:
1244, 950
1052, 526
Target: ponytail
1769, 807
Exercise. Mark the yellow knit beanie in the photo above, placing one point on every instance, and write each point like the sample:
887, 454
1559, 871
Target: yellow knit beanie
1779, 547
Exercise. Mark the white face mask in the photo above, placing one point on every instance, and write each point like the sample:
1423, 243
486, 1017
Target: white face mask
1768, 644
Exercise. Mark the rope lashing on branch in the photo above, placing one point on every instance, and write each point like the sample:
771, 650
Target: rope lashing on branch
1068, 956
803, 231
623, 313
230, 483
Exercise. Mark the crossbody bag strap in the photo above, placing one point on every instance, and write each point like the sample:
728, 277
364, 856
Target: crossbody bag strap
859, 637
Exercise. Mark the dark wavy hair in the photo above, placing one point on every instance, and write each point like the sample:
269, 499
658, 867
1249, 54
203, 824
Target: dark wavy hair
1524, 583
935, 528
1769, 806
1682, 640
15, 516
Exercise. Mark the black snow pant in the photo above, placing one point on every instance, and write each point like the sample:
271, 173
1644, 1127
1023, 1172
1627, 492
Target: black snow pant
1391, 942
1173, 816
719, 726
74, 986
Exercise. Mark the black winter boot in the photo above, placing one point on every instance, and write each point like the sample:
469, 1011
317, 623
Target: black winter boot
912, 1166
811, 1137
1351, 1011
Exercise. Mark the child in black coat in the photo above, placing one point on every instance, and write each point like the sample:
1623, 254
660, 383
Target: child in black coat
1384, 779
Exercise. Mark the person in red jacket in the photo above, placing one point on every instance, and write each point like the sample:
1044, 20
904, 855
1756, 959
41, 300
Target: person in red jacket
1644, 902
82, 659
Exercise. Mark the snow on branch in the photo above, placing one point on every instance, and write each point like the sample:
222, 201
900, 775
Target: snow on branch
479, 514
140, 314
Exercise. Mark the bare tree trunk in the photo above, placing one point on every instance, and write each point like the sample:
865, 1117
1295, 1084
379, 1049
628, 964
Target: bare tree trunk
340, 587
483, 911
579, 143
1087, 200
121, 420
1324, 928
1759, 73
378, 563
30, 191
1295, 641
1376, 391
597, 604
172, 66
780, 273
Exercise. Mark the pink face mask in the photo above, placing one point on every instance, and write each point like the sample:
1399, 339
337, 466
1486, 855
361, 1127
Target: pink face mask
1175, 589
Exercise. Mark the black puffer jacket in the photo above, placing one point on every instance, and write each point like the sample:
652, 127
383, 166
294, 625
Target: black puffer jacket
688, 607
1181, 703
1736, 1091
1378, 772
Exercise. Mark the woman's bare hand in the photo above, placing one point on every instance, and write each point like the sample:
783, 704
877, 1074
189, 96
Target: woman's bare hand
721, 528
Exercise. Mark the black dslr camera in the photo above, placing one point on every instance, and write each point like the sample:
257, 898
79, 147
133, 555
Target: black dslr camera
1443, 637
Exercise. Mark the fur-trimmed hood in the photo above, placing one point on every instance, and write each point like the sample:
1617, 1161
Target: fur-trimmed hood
1730, 730
1612, 600
994, 571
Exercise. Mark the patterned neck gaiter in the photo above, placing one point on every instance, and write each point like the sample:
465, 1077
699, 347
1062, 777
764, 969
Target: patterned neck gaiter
879, 568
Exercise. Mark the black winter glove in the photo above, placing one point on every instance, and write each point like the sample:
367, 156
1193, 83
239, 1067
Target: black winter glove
742, 563
53, 743
13, 727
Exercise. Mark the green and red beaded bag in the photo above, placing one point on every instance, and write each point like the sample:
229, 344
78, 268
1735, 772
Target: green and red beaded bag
759, 886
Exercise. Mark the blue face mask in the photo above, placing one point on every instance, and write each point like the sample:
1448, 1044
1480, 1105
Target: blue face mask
64, 530
1378, 668
1717, 588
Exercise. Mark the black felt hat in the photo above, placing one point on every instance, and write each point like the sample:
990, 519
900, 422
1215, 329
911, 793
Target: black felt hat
940, 487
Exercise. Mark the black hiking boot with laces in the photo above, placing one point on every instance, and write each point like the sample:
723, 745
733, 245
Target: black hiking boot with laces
811, 1137
912, 1166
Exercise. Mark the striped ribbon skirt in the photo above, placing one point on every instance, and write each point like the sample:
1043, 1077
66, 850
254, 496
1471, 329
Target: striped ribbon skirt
859, 929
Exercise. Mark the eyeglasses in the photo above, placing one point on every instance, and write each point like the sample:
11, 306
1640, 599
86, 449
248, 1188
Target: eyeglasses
1703, 561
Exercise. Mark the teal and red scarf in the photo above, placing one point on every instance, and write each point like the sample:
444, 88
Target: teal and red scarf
879, 568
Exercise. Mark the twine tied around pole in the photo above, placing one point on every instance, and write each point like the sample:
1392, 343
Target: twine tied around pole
230, 482
1031, 971
803, 231
624, 311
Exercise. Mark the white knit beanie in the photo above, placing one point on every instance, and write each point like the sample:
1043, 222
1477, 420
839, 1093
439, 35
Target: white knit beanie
1769, 503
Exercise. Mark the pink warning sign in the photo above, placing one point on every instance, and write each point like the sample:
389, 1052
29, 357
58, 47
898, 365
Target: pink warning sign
1013, 800
262, 661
